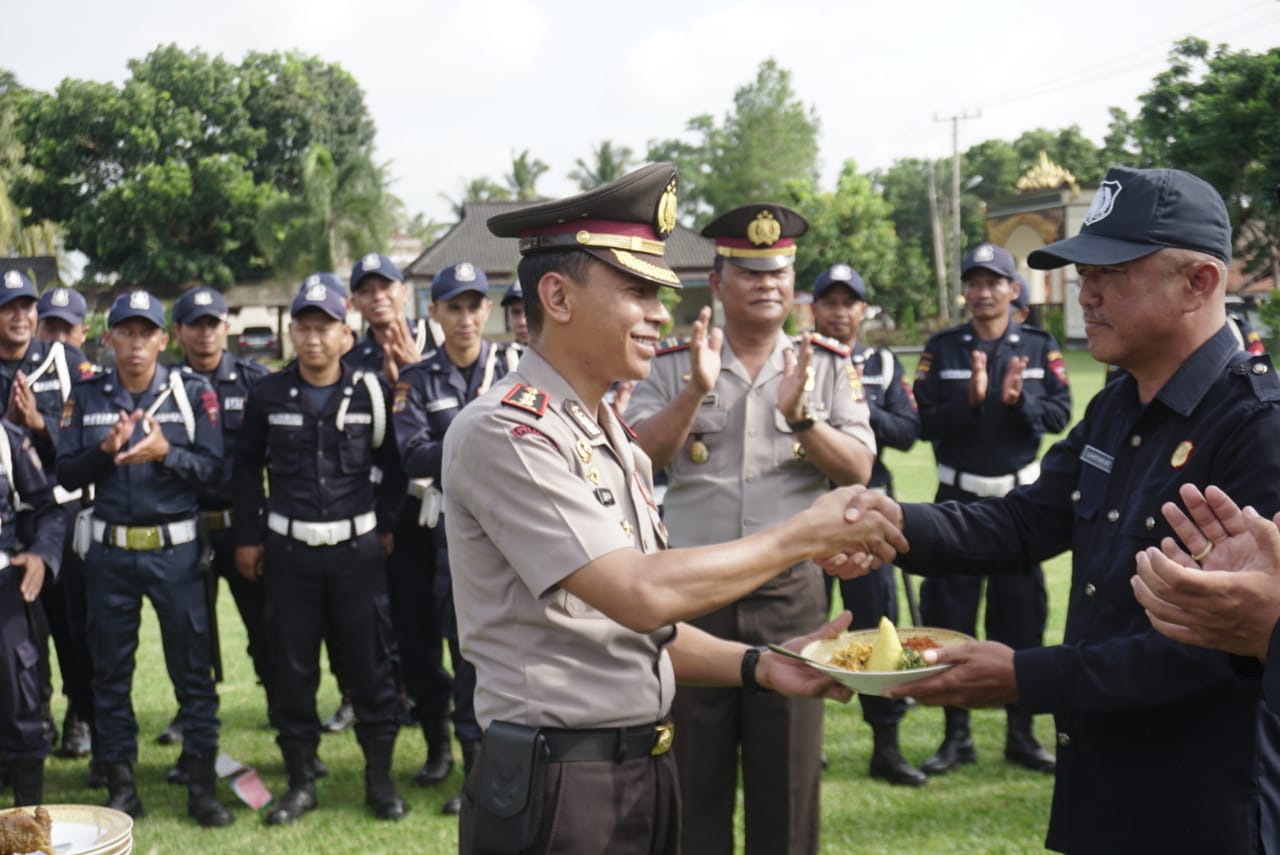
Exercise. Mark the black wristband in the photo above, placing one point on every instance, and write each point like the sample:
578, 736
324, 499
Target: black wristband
750, 658
802, 425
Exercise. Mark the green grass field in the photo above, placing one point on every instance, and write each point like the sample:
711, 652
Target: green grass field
990, 807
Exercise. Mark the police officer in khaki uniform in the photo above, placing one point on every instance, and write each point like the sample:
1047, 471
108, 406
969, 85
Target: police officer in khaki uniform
752, 425
567, 604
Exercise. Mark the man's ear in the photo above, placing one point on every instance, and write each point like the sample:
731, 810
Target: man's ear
1203, 280
556, 297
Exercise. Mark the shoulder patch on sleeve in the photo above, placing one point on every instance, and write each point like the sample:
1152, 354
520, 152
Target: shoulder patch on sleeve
830, 344
922, 368
209, 400
671, 345
400, 399
68, 410
520, 431
1058, 366
527, 398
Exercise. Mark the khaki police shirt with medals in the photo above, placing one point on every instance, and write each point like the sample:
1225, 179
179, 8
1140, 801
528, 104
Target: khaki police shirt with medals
536, 488
741, 469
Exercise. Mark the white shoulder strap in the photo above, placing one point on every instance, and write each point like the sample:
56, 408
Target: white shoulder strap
57, 361
377, 403
513, 357
184, 405
6, 460
490, 368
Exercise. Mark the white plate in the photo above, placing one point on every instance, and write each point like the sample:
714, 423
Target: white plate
79, 829
875, 682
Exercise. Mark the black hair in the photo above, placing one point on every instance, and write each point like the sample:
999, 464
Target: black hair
573, 263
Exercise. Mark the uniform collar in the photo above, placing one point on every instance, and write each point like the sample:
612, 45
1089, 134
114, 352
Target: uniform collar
1183, 391
225, 371
773, 365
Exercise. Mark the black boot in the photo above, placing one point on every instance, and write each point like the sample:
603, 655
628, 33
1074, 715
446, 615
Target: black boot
318, 769
27, 779
435, 730
76, 739
202, 799
301, 797
887, 761
343, 717
453, 807
957, 745
1020, 744
97, 777
171, 735
50, 725
122, 792
379, 790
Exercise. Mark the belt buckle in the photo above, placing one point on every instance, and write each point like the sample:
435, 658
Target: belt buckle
143, 538
666, 735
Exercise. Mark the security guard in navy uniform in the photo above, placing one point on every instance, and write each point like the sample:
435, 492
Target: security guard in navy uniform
24, 570
319, 544
200, 325
988, 390
839, 305
428, 397
513, 308
35, 379
148, 439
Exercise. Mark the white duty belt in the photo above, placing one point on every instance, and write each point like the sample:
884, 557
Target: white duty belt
987, 486
322, 533
144, 536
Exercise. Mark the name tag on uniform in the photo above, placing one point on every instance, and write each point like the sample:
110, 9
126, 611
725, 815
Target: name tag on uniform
358, 418
46, 385
955, 374
711, 400
285, 419
1097, 458
873, 379
1033, 374
233, 404
440, 404
168, 418
100, 419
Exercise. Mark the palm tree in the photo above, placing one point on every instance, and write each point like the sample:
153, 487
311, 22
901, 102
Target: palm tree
477, 190
609, 163
524, 175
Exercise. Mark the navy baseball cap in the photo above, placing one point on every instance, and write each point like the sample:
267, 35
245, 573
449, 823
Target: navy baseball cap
16, 284
372, 263
319, 296
1140, 211
457, 279
202, 302
840, 274
332, 281
988, 256
64, 303
136, 304
515, 294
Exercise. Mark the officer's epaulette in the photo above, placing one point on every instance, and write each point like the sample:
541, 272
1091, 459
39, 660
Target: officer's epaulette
671, 345
100, 376
527, 398
1262, 376
826, 343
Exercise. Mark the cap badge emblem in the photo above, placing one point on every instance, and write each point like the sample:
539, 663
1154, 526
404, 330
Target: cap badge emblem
464, 272
764, 230
841, 273
665, 221
204, 298
1103, 203
316, 293
313, 279
61, 298
985, 252
13, 279
370, 262
139, 300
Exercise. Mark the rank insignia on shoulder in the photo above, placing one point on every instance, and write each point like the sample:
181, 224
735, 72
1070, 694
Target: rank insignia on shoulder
527, 398
830, 344
671, 345
400, 400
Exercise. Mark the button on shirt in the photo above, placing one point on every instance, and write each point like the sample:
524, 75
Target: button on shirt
533, 493
753, 474
1169, 750
140, 493
991, 439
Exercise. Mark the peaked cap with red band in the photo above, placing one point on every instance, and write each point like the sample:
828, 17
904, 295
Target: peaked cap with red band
758, 236
624, 223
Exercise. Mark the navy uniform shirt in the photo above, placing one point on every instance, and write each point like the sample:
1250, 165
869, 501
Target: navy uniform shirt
34, 487
317, 472
231, 381
894, 417
50, 368
1162, 747
367, 354
141, 493
429, 396
992, 439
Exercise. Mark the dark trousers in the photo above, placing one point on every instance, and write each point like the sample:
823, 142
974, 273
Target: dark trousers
780, 738
870, 598
598, 808
464, 673
67, 613
21, 728
416, 616
1017, 604
116, 581
341, 590
251, 602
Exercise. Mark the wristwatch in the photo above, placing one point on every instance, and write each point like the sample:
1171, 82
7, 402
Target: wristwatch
805, 422
750, 658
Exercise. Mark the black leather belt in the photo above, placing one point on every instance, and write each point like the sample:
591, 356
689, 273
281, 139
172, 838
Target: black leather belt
614, 744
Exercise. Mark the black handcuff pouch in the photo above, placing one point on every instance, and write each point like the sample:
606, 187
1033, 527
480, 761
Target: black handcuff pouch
510, 788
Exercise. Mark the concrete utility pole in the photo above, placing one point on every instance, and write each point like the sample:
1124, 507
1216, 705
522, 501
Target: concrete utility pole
955, 193
939, 261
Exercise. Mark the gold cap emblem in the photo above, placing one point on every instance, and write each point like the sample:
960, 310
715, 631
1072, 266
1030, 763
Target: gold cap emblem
665, 222
764, 230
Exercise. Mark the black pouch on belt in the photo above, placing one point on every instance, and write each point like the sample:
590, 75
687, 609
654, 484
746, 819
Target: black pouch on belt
509, 788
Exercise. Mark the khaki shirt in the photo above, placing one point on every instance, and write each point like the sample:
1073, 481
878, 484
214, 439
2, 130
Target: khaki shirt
535, 488
753, 475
